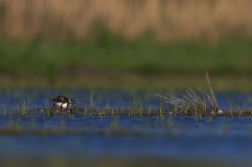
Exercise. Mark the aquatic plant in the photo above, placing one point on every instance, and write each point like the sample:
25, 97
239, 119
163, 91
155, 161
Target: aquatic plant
47, 107
194, 103
4, 109
21, 105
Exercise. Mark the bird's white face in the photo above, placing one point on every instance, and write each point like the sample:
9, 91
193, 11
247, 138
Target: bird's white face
57, 104
64, 105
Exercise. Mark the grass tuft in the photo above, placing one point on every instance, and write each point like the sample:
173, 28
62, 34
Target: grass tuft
192, 102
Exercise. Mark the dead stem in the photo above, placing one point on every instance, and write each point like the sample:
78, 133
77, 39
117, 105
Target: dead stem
194, 103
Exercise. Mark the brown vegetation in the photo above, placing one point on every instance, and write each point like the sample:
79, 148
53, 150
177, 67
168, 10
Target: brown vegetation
166, 19
194, 103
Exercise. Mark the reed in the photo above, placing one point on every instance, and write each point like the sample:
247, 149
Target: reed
21, 105
166, 19
4, 109
194, 103
47, 107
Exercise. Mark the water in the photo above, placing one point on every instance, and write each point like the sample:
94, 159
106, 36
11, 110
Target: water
224, 139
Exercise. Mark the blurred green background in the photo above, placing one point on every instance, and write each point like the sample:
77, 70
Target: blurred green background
160, 44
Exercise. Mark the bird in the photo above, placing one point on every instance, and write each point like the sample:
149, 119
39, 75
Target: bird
63, 102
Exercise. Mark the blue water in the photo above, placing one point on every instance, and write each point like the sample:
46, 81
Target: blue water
111, 99
173, 137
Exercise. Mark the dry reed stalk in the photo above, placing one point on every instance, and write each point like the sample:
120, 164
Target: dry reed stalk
168, 19
193, 102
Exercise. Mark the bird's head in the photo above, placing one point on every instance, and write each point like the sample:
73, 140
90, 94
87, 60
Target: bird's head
71, 102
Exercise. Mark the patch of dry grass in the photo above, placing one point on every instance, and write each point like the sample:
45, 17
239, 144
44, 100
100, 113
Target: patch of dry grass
194, 103
167, 19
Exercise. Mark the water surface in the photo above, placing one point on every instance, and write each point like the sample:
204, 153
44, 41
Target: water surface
226, 139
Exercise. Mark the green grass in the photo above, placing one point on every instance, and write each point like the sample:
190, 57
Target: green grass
109, 161
111, 62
